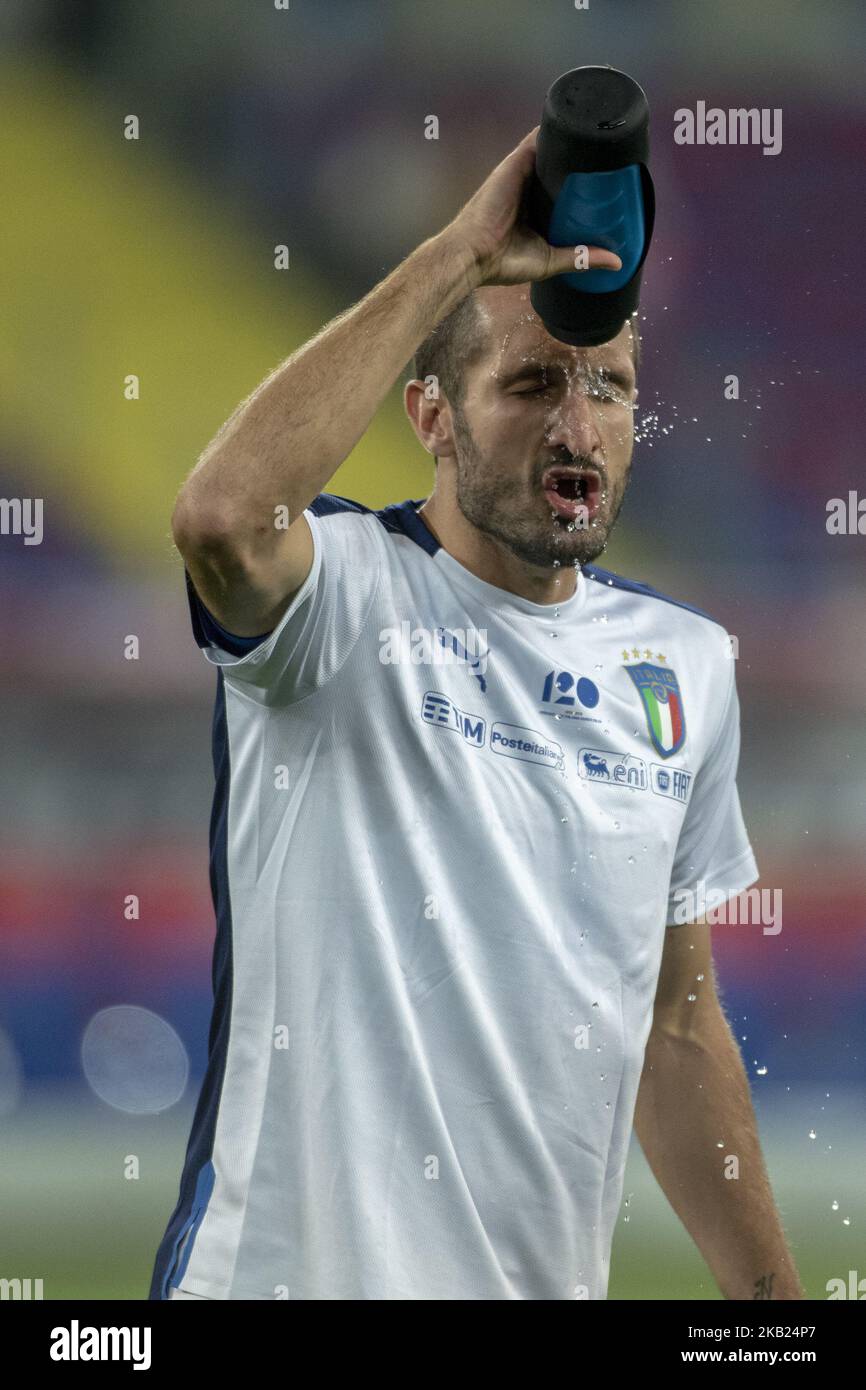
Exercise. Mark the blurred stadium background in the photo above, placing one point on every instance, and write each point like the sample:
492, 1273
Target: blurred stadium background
305, 127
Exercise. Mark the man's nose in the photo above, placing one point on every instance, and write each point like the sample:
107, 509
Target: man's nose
573, 422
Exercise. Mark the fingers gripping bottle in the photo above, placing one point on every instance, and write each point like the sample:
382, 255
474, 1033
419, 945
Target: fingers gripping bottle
592, 187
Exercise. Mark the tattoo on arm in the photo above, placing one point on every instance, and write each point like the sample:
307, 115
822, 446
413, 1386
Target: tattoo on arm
764, 1286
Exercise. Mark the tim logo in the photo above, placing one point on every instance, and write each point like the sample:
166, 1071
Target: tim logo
604, 766
564, 693
439, 710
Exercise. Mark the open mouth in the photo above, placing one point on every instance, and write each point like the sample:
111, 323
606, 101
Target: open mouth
573, 492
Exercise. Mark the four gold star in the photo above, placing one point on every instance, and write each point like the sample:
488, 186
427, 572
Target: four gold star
634, 654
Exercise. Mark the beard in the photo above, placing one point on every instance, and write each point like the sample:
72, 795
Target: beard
515, 512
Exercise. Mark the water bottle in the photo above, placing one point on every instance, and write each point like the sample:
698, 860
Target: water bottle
592, 187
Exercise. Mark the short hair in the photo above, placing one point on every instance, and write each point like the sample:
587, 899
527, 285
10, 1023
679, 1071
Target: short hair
460, 340
455, 344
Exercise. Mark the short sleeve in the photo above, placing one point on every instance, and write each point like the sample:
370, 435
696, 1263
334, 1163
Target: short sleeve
714, 859
213, 633
319, 628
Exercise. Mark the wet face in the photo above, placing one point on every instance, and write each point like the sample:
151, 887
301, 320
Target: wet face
544, 436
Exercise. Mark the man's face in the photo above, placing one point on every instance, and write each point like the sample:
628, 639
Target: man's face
544, 436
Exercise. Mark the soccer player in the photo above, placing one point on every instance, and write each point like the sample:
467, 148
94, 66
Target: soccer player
469, 790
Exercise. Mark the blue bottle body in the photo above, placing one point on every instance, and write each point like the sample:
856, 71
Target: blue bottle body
601, 209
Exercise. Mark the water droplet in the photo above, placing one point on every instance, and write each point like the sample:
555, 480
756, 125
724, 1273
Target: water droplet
691, 998
812, 1134
834, 1206
762, 1071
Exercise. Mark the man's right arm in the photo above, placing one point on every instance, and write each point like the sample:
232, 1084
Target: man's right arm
282, 445
285, 442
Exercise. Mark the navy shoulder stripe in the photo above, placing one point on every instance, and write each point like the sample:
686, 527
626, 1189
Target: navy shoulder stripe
633, 586
400, 518
329, 503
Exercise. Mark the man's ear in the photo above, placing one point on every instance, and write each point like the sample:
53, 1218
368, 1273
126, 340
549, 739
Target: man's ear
430, 416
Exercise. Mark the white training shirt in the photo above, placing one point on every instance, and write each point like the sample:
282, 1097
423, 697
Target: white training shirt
445, 848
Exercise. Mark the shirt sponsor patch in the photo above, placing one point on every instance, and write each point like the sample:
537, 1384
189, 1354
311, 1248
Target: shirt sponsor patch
612, 769
441, 711
671, 781
516, 742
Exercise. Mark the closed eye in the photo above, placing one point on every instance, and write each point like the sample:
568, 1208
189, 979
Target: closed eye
535, 384
609, 389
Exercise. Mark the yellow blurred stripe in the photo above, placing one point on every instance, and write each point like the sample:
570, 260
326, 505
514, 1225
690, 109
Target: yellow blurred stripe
112, 261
